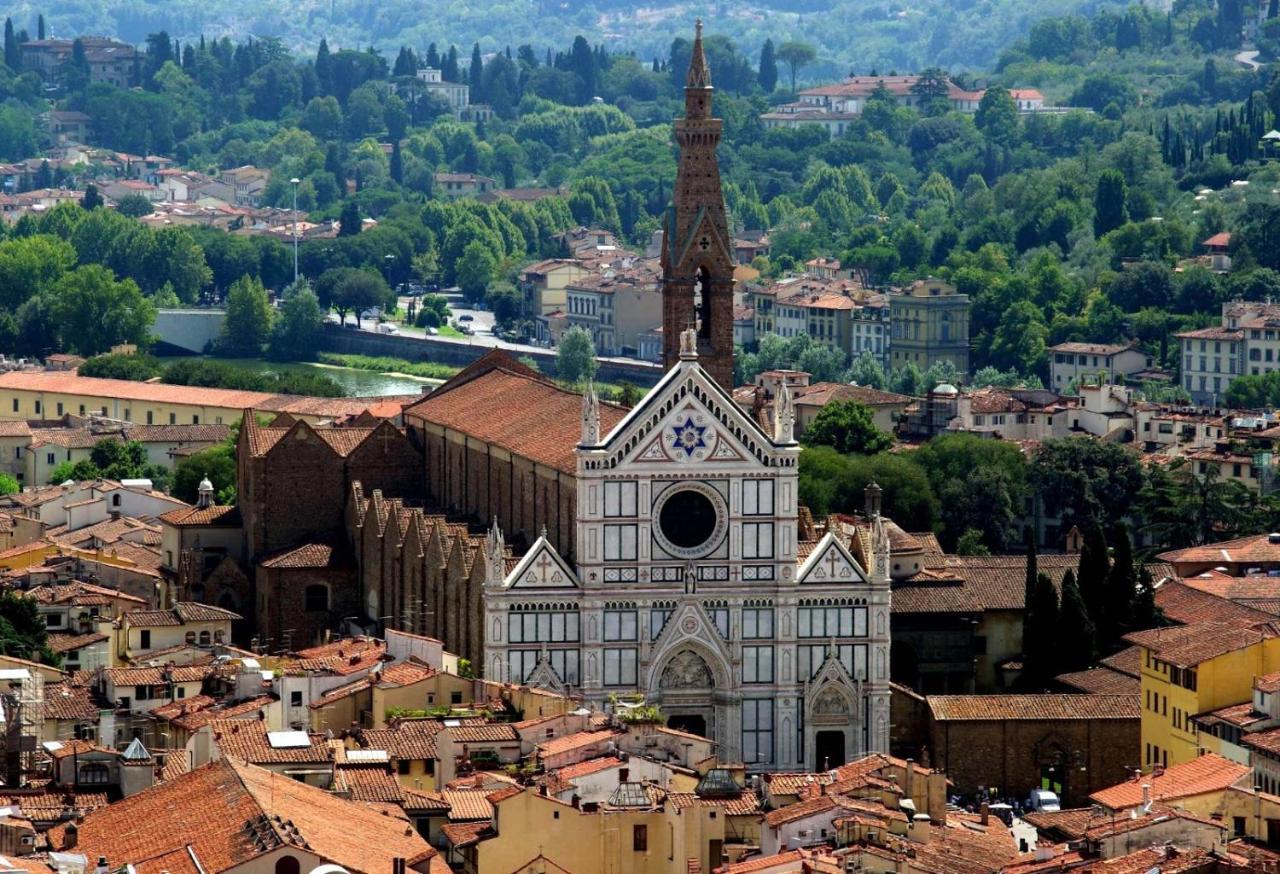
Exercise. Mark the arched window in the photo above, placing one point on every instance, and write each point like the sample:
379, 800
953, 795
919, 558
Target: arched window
316, 598
191, 637
217, 636
702, 302
205, 638
287, 865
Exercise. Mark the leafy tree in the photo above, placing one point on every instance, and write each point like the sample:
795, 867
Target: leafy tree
768, 75
847, 426
23, 632
576, 356
9, 485
134, 206
475, 270
218, 463
970, 543
94, 311
248, 322
997, 116
505, 301
1082, 479
296, 333
1077, 639
796, 55
1109, 210
138, 368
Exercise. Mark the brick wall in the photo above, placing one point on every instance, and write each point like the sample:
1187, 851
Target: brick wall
1008, 754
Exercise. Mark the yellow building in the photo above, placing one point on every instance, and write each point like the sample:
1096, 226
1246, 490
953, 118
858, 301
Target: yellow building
630, 835
930, 324
46, 394
1190, 669
543, 284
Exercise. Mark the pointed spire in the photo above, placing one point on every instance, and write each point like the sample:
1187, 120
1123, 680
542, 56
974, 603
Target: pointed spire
699, 73
590, 416
784, 417
495, 551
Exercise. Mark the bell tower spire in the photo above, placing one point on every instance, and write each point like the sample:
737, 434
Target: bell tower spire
697, 261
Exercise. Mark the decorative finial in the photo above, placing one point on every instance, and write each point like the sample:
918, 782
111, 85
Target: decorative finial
542, 532
784, 416
590, 416
688, 345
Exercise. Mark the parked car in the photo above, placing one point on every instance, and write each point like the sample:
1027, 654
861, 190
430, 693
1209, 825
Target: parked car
1044, 800
466, 317
386, 328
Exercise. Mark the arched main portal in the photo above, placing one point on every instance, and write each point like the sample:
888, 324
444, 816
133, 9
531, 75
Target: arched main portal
688, 684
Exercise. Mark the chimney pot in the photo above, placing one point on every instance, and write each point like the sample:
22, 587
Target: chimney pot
985, 813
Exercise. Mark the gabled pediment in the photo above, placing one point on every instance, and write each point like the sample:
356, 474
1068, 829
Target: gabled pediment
542, 568
831, 563
544, 676
691, 627
704, 236
688, 419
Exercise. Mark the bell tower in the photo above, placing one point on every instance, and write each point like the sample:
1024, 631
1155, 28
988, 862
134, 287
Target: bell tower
697, 261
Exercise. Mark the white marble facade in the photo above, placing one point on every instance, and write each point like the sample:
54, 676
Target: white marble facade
691, 587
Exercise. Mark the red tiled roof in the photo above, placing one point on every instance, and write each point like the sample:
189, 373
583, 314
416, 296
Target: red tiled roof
511, 408
1048, 707
1208, 773
156, 676
230, 812
227, 517
369, 782
468, 804
1103, 681
574, 741
1188, 605
308, 555
1256, 549
68, 701
247, 739
1188, 645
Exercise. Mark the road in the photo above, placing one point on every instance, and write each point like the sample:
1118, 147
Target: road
481, 323
1248, 58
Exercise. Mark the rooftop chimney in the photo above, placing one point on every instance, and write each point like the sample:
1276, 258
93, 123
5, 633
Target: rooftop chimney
984, 813
1146, 794
70, 836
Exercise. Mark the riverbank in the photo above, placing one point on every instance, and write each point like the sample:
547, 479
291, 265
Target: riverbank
426, 370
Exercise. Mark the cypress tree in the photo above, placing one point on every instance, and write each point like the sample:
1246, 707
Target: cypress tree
1077, 636
324, 68
1039, 631
1273, 9
349, 219
11, 54
433, 57
1029, 584
1109, 211
1094, 566
1116, 615
475, 74
40, 31
397, 163
768, 75
449, 70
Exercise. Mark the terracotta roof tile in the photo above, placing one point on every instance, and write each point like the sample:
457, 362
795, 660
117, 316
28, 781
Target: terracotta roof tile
64, 643
369, 782
230, 813
223, 517
464, 834
470, 734
1188, 605
1208, 773
524, 414
577, 740
1255, 549
413, 739
1033, 707
468, 804
149, 676
1102, 681
308, 555
248, 739
1188, 645
68, 701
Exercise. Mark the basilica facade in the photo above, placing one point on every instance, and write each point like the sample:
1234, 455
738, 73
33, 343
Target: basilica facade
696, 581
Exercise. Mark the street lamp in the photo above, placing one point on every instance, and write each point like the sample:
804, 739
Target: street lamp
294, 182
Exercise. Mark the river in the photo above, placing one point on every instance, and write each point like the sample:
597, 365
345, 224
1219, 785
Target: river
355, 383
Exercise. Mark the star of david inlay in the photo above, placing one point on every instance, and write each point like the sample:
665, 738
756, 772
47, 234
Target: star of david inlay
689, 436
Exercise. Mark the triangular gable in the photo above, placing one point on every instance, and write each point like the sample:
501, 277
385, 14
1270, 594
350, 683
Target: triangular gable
703, 226
690, 623
544, 676
831, 562
301, 431
687, 417
542, 568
